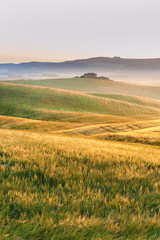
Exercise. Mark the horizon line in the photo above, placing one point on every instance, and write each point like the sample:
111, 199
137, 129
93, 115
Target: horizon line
78, 59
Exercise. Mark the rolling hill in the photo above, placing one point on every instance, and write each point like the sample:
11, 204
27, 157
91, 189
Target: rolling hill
41, 103
112, 128
97, 86
131, 99
147, 135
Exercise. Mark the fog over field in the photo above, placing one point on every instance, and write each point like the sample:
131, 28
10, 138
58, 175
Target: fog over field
131, 70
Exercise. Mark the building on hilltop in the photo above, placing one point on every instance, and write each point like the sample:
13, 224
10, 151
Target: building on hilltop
94, 75
89, 75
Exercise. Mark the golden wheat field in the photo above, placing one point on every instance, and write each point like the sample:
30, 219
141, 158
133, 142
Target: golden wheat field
78, 166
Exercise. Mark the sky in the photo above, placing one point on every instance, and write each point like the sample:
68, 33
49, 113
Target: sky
58, 30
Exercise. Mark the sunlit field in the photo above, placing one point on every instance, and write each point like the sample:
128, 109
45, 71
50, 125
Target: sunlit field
98, 86
78, 165
59, 187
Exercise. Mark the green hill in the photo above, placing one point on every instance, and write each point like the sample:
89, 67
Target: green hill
40, 103
131, 99
98, 86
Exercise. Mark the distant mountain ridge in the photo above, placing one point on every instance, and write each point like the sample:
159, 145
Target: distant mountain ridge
116, 68
150, 62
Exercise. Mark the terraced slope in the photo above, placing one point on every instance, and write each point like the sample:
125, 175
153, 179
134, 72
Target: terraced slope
103, 129
149, 136
41, 103
98, 86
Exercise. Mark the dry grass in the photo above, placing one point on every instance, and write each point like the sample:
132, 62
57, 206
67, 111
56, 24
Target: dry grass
37, 125
121, 127
146, 136
64, 121
60, 187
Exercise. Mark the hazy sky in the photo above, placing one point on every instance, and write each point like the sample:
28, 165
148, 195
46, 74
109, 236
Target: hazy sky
56, 30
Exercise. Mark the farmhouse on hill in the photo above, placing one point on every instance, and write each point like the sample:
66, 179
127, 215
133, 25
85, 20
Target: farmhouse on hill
89, 75
94, 75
